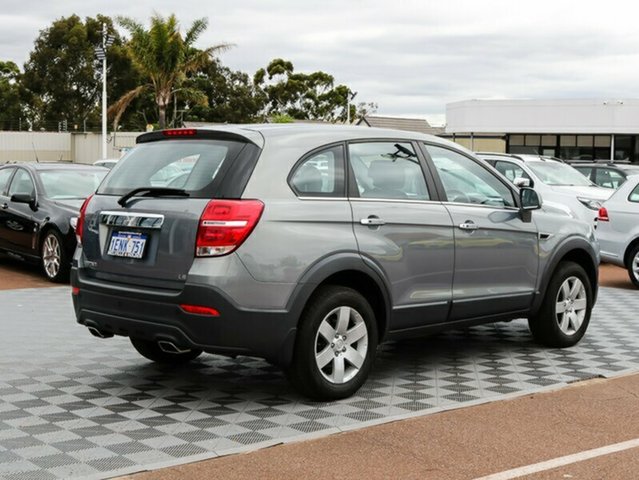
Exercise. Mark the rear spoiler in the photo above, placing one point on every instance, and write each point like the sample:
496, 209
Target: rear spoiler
182, 133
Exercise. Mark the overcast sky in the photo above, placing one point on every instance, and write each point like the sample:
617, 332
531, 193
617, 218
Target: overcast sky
410, 57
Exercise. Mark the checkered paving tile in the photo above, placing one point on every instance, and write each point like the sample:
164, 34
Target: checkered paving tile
74, 406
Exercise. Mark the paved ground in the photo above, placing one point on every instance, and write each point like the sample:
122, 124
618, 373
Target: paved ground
17, 274
93, 409
466, 443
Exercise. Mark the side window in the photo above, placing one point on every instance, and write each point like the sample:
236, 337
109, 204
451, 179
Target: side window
511, 170
466, 181
387, 170
587, 172
608, 178
22, 183
634, 195
320, 175
5, 175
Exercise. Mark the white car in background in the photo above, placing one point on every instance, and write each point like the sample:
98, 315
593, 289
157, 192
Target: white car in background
618, 228
561, 187
106, 163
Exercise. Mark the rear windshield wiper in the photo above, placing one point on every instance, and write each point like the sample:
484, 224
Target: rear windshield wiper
152, 192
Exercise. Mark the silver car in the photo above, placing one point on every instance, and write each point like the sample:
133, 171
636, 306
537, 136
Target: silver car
618, 228
562, 187
308, 245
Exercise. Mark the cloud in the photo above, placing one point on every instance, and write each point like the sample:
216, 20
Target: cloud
411, 57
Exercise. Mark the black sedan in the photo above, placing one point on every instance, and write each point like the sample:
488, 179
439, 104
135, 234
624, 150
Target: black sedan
38, 202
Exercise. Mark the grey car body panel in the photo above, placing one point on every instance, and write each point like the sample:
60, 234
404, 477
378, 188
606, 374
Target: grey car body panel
263, 287
496, 265
415, 235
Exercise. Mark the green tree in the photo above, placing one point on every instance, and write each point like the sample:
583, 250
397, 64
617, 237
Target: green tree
165, 58
61, 80
10, 104
312, 96
231, 96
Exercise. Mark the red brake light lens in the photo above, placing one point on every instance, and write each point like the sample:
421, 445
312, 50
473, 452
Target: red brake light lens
225, 224
602, 216
80, 223
179, 132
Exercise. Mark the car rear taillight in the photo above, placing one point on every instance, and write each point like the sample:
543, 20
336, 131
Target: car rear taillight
225, 224
602, 216
80, 223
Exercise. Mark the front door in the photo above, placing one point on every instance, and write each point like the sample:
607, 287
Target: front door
401, 229
496, 254
20, 224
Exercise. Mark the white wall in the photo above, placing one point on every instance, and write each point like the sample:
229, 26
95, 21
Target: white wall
543, 116
65, 147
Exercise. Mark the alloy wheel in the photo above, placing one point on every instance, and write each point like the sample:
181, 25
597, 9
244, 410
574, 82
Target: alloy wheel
341, 345
51, 256
572, 304
635, 266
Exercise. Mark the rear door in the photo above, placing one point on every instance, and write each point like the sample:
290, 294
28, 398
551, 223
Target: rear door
402, 228
496, 254
150, 239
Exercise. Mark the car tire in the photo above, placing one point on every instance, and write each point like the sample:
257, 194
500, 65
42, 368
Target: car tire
54, 259
152, 351
335, 345
633, 266
565, 312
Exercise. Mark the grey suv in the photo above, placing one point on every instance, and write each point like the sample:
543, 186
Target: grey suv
308, 245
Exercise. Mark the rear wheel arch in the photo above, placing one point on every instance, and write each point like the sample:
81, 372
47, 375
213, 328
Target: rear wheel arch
351, 271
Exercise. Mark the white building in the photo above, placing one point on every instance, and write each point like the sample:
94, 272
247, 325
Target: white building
569, 129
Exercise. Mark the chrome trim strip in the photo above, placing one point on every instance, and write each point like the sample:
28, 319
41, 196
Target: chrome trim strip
127, 219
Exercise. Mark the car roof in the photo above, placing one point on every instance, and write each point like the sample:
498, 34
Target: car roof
52, 166
310, 133
521, 157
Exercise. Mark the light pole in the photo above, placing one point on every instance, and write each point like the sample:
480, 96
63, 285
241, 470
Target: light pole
100, 53
349, 98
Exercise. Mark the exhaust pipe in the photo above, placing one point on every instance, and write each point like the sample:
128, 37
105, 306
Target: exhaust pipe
97, 333
170, 347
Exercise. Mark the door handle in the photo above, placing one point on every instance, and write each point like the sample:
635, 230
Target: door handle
372, 221
468, 225
5, 206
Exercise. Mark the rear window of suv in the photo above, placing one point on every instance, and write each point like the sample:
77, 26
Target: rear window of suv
196, 166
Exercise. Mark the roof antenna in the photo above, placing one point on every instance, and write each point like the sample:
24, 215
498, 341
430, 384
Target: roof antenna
34, 151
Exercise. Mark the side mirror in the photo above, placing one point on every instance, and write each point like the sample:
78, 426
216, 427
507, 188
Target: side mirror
529, 199
24, 198
523, 182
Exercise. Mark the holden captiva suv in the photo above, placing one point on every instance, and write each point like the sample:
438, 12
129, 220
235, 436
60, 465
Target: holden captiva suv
308, 245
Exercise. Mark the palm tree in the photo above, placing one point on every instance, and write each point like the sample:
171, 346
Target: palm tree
165, 57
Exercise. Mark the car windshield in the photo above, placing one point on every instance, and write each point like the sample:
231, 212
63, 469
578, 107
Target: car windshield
555, 173
61, 184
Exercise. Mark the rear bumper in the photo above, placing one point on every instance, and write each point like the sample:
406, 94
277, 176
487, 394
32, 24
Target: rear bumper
156, 315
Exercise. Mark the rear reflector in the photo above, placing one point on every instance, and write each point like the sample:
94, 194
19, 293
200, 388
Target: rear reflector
75, 291
602, 216
179, 132
79, 225
200, 310
225, 224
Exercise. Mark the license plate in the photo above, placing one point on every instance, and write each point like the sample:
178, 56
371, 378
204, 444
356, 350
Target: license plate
127, 244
